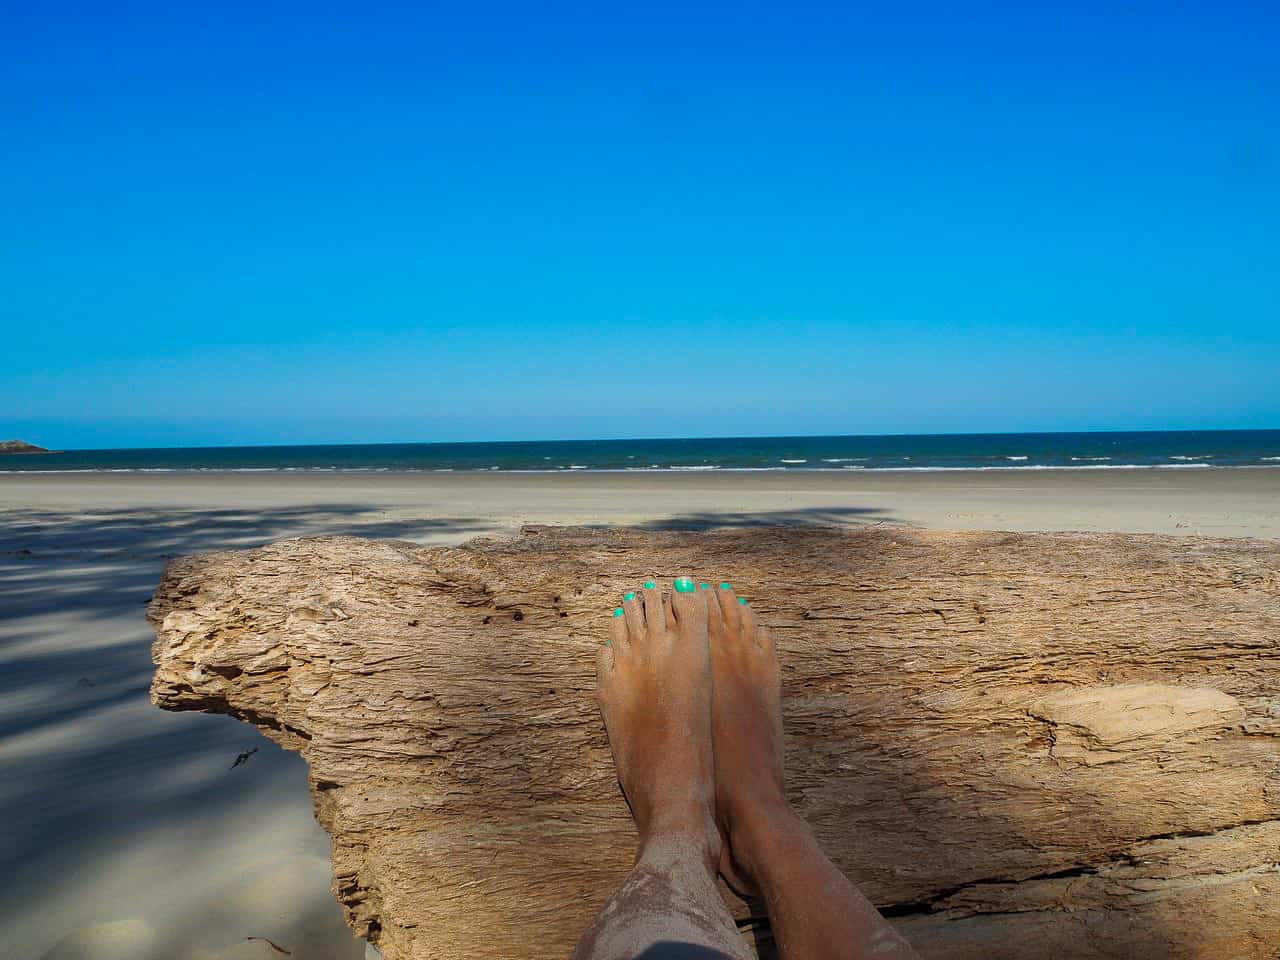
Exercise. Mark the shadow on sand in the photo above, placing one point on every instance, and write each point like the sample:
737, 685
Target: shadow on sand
123, 821
799, 517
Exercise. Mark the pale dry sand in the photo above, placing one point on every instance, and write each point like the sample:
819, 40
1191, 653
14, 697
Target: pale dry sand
126, 833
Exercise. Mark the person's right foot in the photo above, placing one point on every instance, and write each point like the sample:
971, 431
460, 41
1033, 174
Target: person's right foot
747, 730
654, 688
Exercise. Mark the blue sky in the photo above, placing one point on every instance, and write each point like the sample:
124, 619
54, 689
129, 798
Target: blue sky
317, 222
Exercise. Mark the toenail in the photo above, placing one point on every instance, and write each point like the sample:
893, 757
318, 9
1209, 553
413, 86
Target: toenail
743, 601
704, 586
726, 585
683, 585
649, 584
630, 596
618, 612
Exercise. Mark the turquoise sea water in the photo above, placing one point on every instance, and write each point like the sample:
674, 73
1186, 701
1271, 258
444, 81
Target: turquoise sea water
1005, 451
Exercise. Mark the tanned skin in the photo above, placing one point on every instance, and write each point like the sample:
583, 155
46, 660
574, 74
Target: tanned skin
688, 684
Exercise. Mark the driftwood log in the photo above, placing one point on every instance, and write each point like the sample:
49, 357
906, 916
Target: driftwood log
1018, 745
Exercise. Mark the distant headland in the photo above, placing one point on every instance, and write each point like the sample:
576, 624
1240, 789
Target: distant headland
21, 446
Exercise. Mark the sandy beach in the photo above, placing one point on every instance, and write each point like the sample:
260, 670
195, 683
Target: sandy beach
128, 831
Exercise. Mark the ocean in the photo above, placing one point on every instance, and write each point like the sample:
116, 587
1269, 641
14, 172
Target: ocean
1203, 449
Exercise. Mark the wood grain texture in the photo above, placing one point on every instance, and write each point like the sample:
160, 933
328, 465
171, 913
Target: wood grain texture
1017, 745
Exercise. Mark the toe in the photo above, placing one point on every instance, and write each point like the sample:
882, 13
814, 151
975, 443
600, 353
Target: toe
750, 627
747, 622
655, 615
690, 609
765, 639
604, 668
715, 619
729, 607
608, 651
617, 629
633, 614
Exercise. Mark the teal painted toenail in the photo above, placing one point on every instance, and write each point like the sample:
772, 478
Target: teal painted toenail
683, 585
743, 601
618, 612
649, 584
726, 585
704, 586
630, 596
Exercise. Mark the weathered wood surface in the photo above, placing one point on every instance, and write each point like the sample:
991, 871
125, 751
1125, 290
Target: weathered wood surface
1018, 745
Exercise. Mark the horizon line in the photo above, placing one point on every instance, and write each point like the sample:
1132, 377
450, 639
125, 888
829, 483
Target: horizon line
644, 439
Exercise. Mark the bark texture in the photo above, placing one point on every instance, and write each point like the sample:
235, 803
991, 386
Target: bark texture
1018, 745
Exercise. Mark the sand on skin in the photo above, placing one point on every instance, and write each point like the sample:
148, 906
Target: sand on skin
127, 831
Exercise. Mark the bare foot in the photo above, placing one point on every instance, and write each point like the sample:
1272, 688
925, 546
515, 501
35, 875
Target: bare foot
747, 728
654, 688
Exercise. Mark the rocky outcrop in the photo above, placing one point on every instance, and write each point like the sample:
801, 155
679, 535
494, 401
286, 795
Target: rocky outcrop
21, 446
1018, 745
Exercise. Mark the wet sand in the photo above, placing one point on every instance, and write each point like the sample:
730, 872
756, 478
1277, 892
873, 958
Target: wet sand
127, 830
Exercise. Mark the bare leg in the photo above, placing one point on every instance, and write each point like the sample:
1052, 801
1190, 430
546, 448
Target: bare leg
815, 912
654, 687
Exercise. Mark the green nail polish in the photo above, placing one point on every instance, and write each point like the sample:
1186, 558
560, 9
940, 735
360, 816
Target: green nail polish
618, 612
743, 601
683, 585
608, 643
704, 586
649, 584
630, 596
726, 585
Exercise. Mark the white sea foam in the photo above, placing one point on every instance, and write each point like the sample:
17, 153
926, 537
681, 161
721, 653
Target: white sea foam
658, 469
828, 464
843, 459
652, 468
793, 461
1044, 466
1015, 458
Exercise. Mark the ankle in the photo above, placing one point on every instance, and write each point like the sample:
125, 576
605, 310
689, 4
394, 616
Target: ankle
755, 832
693, 840
753, 807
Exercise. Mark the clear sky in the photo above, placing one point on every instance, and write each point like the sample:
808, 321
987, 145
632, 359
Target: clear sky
267, 222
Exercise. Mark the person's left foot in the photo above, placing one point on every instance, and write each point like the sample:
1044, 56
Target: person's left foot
654, 688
